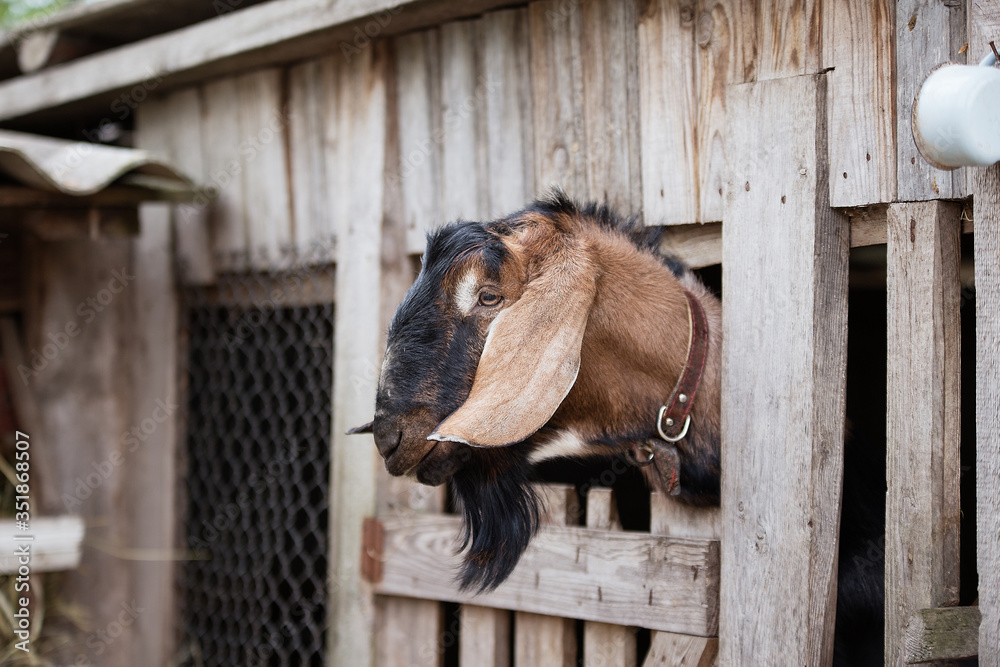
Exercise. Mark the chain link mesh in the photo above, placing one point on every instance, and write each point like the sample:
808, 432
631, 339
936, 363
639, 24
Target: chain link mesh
259, 379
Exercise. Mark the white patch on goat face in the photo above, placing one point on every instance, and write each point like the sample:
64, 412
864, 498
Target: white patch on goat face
465, 295
563, 443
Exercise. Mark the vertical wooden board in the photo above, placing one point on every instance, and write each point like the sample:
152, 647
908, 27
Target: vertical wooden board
312, 211
862, 103
672, 650
505, 68
611, 103
605, 644
540, 639
718, 35
986, 193
485, 640
784, 39
263, 121
463, 147
924, 373
785, 254
674, 519
358, 165
928, 33
409, 633
152, 480
668, 103
560, 156
221, 155
419, 144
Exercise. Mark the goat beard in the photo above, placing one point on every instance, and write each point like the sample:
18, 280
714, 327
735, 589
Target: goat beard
500, 513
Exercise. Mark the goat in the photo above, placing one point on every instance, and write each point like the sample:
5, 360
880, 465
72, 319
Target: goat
557, 331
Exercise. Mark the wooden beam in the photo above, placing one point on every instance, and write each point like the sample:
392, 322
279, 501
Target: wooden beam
785, 252
948, 633
924, 374
606, 643
927, 35
588, 574
549, 639
986, 194
357, 165
672, 650
55, 544
267, 34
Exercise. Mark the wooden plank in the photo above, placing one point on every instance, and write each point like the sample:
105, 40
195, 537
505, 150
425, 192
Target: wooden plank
695, 245
862, 104
549, 639
221, 156
560, 157
312, 201
264, 160
418, 83
55, 544
611, 103
984, 184
358, 164
506, 71
719, 34
463, 147
667, 113
986, 197
924, 378
409, 633
173, 128
673, 519
949, 633
672, 650
485, 638
785, 253
588, 574
783, 39
927, 35
606, 643
260, 36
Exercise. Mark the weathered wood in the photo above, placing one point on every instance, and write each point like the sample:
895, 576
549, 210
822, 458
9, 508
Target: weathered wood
358, 164
150, 499
695, 245
928, 34
588, 574
308, 115
263, 121
606, 643
506, 72
560, 156
224, 193
949, 633
265, 35
783, 39
672, 650
55, 544
785, 253
924, 373
549, 639
668, 107
611, 103
409, 633
418, 99
986, 196
673, 519
485, 638
862, 103
984, 24
464, 192
173, 128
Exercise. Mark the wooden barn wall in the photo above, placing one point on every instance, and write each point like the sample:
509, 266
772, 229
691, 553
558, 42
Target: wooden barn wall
642, 103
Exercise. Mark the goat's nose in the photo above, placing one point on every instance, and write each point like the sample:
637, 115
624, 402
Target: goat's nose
387, 439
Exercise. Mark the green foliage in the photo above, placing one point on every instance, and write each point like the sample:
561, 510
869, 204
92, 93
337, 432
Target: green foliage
14, 13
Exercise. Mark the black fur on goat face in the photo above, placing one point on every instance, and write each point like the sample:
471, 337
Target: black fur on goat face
557, 331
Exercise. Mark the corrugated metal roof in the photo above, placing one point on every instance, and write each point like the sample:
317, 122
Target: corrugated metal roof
79, 168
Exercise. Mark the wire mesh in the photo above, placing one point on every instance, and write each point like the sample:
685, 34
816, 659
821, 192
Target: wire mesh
259, 378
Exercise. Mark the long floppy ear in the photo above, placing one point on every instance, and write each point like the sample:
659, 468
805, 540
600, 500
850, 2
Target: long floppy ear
531, 357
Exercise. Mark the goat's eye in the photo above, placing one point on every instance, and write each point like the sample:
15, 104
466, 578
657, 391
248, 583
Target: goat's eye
489, 299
